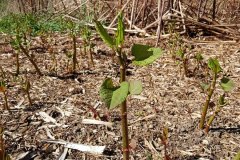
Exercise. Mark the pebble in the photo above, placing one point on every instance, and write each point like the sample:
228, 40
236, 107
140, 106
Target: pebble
205, 142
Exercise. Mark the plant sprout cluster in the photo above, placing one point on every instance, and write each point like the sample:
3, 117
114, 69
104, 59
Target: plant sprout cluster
21, 29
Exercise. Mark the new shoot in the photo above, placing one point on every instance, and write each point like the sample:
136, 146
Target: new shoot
116, 95
226, 84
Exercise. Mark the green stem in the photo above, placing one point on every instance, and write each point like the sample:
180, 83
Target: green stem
211, 119
205, 108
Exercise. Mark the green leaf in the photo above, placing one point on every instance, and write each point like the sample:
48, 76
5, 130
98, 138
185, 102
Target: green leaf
111, 95
103, 34
237, 157
221, 100
135, 87
106, 91
214, 65
227, 84
120, 31
119, 95
145, 54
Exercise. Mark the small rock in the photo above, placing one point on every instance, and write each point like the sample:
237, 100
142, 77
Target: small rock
205, 142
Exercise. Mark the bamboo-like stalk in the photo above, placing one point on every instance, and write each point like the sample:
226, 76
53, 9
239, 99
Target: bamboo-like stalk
25, 51
206, 105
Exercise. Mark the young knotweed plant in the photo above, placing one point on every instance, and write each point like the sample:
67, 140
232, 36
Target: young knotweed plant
21, 28
115, 96
174, 41
17, 50
226, 85
3, 89
69, 56
46, 34
183, 60
199, 59
73, 30
87, 44
177, 49
199, 62
26, 88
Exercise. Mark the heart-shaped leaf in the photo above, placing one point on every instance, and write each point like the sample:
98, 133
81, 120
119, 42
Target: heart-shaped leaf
111, 95
227, 84
103, 34
135, 87
214, 65
106, 91
119, 95
145, 54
